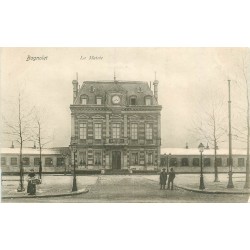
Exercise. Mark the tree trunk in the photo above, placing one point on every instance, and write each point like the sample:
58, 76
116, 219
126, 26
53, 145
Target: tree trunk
248, 134
216, 177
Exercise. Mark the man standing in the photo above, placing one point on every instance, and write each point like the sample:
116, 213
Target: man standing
171, 179
163, 178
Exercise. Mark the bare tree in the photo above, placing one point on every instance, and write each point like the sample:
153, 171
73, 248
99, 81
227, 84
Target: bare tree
19, 130
40, 134
243, 82
209, 125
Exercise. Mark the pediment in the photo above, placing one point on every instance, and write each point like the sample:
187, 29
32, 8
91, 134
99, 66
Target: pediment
116, 117
134, 117
150, 117
98, 117
82, 117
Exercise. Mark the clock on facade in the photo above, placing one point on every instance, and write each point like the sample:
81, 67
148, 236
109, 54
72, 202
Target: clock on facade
116, 99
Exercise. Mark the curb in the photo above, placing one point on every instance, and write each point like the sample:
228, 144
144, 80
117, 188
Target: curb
210, 192
82, 191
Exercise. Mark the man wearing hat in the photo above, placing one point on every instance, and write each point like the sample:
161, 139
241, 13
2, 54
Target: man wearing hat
163, 178
171, 179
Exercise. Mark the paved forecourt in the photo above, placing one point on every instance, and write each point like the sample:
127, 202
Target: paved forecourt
130, 188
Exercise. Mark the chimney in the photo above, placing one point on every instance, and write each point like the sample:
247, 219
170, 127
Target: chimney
12, 146
75, 89
155, 83
186, 145
34, 145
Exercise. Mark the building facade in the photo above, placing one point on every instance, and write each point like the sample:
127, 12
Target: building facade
115, 125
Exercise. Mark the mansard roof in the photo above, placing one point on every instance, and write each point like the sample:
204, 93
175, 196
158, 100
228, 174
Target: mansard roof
130, 88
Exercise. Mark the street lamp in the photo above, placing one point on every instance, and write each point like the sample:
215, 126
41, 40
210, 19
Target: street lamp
165, 159
74, 188
168, 162
201, 149
230, 159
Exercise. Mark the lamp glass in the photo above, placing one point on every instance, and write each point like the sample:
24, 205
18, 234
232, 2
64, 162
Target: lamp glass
201, 147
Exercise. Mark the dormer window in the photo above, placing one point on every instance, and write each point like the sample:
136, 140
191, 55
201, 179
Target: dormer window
92, 89
133, 100
84, 100
148, 101
98, 100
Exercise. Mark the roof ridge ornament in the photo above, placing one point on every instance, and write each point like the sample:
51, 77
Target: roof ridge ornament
115, 81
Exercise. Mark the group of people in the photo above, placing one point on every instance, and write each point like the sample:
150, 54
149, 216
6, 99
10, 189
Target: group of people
164, 178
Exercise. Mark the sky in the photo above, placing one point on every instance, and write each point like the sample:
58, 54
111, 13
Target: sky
189, 78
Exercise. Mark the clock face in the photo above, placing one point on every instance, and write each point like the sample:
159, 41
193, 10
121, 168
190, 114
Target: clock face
116, 99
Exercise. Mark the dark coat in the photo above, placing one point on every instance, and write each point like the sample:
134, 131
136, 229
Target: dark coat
171, 176
163, 178
31, 189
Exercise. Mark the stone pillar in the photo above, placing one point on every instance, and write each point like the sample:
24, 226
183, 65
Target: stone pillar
159, 129
72, 126
125, 126
107, 125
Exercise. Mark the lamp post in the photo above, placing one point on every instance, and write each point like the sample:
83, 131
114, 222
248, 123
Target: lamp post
230, 160
74, 188
168, 162
165, 159
201, 149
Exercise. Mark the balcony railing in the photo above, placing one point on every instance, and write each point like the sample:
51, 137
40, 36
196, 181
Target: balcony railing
117, 141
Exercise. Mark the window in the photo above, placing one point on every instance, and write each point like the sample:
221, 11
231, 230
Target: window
37, 161
133, 101
134, 158
150, 158
97, 158
207, 162
48, 162
218, 162
59, 162
149, 131
3, 161
13, 161
26, 161
98, 131
196, 162
163, 162
98, 100
83, 131
173, 162
228, 161
84, 99
116, 130
148, 101
92, 89
134, 129
184, 162
241, 162
82, 156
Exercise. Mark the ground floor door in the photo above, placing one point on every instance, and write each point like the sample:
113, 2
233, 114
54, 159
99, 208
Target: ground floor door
116, 160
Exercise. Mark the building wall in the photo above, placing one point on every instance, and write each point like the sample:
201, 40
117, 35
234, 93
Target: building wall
7, 166
124, 114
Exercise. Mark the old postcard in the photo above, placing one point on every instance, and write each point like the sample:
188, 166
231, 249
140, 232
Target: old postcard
125, 125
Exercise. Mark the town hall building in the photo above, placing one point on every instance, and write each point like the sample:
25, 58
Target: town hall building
115, 125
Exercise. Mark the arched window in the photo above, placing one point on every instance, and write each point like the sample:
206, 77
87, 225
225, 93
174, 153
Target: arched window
84, 99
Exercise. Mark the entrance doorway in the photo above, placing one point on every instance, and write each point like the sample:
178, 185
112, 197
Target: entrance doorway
116, 160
